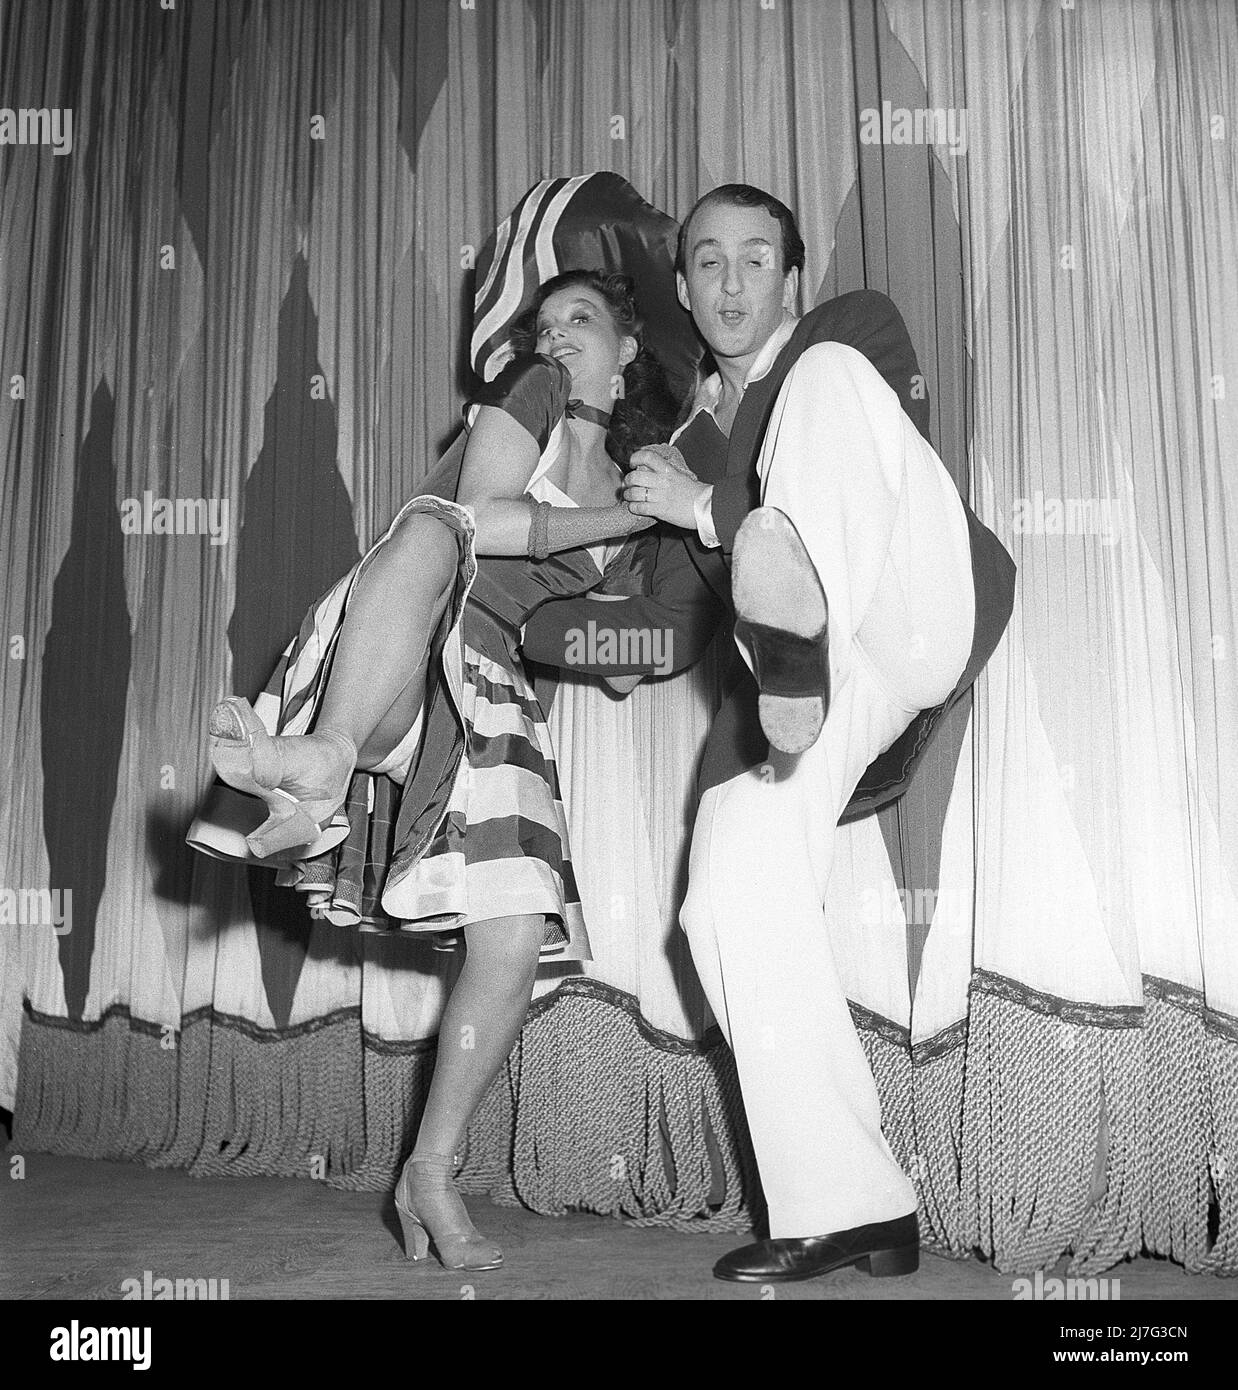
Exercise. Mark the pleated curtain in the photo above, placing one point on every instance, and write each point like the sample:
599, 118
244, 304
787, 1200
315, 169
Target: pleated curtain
249, 286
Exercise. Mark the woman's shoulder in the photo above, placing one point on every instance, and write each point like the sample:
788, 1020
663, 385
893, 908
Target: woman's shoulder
531, 388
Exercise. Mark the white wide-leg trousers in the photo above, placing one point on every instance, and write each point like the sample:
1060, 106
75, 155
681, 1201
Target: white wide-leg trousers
882, 520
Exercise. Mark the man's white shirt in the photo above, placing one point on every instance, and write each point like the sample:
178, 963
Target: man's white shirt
708, 394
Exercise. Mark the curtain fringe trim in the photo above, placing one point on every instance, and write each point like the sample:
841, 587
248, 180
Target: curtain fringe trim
1033, 1132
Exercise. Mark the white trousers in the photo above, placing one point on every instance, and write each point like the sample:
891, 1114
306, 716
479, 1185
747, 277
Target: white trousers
882, 520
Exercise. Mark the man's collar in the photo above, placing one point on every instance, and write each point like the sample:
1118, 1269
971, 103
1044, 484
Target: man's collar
709, 391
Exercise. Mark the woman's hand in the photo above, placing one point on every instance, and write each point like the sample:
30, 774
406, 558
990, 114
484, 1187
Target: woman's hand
660, 484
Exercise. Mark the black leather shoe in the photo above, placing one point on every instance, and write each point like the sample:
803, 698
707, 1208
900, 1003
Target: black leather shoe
781, 614
883, 1248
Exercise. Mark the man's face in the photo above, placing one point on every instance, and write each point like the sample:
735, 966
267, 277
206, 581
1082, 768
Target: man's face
734, 287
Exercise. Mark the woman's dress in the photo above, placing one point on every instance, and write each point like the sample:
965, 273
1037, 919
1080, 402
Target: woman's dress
464, 821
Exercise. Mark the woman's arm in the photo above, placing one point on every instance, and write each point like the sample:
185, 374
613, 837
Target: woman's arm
499, 460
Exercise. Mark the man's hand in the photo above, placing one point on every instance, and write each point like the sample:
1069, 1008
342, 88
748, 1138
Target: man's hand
624, 685
660, 484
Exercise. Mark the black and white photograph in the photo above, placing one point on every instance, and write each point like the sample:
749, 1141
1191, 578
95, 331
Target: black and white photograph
619, 667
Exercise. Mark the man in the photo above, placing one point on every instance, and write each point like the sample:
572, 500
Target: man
867, 597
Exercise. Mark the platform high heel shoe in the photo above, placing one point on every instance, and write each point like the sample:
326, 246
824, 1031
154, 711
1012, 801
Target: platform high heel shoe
457, 1242
247, 757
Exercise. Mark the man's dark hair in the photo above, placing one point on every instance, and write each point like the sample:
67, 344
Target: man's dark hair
743, 195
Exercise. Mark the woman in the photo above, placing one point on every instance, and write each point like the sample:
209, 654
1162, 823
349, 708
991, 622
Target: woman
395, 674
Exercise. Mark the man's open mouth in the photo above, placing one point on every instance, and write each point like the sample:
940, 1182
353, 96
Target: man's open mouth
732, 316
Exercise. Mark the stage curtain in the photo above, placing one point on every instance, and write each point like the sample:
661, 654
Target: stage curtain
248, 287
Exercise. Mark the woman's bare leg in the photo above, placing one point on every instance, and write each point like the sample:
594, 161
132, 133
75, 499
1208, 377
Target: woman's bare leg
374, 692
378, 673
480, 1026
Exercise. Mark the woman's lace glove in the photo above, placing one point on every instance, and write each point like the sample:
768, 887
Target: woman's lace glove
552, 529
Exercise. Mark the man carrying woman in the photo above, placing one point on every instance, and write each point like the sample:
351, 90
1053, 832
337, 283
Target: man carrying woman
867, 596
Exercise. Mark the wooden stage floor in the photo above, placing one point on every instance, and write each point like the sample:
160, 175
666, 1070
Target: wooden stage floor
77, 1229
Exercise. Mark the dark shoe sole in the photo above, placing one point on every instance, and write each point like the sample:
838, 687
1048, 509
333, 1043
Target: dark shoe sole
782, 614
880, 1264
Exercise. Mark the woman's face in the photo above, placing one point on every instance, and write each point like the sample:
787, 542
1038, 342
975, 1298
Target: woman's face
574, 326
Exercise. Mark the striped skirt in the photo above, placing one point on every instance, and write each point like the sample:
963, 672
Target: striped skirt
463, 823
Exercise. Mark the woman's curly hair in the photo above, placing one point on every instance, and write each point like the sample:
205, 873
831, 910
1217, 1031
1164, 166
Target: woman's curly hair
647, 412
